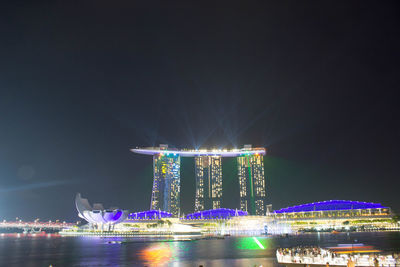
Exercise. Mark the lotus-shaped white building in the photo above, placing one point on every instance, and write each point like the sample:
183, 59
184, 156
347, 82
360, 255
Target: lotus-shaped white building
97, 215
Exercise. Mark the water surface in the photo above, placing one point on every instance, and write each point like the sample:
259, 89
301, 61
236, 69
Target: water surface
231, 251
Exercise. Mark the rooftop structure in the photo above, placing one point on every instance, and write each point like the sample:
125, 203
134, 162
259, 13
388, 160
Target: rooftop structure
334, 212
332, 205
215, 214
200, 152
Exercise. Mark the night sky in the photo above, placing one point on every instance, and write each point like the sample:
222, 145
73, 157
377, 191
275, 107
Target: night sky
83, 82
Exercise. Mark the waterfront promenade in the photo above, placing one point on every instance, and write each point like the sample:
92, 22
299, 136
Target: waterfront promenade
35, 224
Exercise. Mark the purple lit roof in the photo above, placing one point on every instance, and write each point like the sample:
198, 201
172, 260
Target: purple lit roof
331, 205
216, 214
149, 215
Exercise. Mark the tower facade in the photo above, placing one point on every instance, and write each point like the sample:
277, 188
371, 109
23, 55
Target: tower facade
166, 184
251, 183
165, 195
208, 171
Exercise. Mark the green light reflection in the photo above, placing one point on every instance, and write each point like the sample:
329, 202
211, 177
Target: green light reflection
253, 243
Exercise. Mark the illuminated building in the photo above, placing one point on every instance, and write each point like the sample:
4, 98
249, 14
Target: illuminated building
97, 216
334, 208
337, 214
208, 182
149, 215
208, 162
166, 183
215, 214
252, 183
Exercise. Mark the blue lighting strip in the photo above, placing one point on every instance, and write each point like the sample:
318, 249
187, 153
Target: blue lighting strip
216, 214
149, 215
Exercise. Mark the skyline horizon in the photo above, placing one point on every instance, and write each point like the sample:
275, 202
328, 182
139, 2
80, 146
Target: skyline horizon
237, 206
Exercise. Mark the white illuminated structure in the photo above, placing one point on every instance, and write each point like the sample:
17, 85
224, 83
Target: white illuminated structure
163, 149
97, 216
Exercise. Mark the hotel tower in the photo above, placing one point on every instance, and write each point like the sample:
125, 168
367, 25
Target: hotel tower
208, 172
251, 183
166, 183
208, 182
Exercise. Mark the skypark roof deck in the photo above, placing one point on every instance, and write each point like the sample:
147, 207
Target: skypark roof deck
200, 152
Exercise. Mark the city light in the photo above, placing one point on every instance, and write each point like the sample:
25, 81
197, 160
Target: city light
208, 170
216, 214
201, 152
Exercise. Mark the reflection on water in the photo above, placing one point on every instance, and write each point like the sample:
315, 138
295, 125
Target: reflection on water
232, 251
156, 254
253, 242
162, 253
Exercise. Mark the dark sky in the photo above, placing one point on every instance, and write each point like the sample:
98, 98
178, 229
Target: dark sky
83, 82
